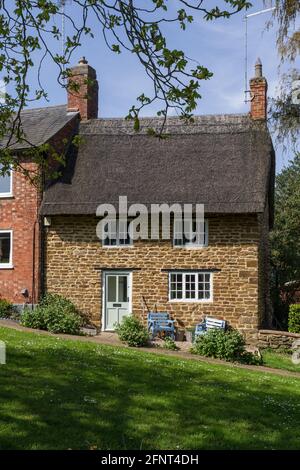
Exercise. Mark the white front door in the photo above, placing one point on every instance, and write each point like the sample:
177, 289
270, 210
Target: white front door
117, 295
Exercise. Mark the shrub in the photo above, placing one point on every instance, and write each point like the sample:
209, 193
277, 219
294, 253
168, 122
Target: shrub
33, 318
228, 345
132, 332
294, 318
55, 314
6, 309
169, 343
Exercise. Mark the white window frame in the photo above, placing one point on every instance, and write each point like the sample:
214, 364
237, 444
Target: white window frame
196, 274
118, 244
8, 265
10, 192
191, 245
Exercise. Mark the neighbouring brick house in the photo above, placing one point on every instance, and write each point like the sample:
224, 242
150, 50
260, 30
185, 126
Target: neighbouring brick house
20, 228
225, 162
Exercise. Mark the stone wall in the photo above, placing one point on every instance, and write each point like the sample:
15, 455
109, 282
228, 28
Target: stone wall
75, 261
276, 339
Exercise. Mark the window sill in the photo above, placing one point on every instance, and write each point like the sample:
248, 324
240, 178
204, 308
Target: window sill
6, 196
7, 266
190, 301
196, 247
117, 246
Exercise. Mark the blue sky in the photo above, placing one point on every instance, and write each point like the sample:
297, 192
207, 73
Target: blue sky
218, 45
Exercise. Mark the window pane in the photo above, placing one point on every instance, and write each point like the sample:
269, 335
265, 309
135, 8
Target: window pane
190, 286
178, 232
187, 230
176, 286
122, 288
173, 295
5, 182
5, 247
123, 230
204, 283
112, 289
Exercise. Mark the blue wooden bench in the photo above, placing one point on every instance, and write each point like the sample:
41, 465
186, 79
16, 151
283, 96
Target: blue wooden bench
209, 324
160, 322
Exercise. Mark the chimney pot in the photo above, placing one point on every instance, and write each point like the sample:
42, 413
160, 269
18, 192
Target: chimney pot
258, 68
82, 61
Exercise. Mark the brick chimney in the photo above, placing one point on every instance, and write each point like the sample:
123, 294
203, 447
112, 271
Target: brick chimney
258, 91
85, 99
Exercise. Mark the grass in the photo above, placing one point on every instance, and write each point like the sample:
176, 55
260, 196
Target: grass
279, 360
62, 394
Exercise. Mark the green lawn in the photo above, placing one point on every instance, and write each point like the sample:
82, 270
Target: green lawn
279, 361
60, 394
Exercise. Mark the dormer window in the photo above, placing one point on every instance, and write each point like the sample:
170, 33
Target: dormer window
118, 234
5, 183
190, 234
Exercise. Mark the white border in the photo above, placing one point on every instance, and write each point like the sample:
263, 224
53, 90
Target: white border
104, 276
10, 193
8, 265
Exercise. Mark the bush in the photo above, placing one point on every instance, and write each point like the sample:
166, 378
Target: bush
132, 332
33, 318
6, 309
228, 345
55, 314
294, 318
169, 343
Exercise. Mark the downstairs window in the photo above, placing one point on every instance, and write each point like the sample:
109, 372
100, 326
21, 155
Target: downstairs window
190, 286
5, 249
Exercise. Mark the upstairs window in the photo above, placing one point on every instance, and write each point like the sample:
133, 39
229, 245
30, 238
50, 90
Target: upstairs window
119, 235
190, 235
5, 249
5, 183
190, 287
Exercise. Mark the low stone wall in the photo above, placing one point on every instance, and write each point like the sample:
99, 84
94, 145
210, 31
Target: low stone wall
275, 339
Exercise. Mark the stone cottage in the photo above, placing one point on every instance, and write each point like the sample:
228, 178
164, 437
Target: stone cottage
225, 162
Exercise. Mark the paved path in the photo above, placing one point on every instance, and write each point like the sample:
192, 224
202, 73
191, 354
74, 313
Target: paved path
113, 340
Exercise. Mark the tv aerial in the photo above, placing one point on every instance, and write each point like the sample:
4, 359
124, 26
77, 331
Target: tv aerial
246, 17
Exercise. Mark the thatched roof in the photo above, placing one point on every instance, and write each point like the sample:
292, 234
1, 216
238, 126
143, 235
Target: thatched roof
225, 162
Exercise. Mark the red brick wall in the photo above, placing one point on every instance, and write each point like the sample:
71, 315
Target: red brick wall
86, 98
258, 87
19, 213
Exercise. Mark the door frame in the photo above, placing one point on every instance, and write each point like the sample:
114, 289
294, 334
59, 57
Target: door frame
104, 277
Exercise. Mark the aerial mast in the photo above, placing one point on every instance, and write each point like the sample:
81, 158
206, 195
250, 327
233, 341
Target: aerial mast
266, 10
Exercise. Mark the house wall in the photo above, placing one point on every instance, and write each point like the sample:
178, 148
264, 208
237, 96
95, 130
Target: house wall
265, 302
75, 260
19, 213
